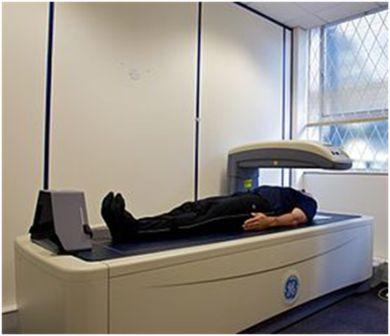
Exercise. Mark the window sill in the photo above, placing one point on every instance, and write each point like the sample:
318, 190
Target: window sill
349, 172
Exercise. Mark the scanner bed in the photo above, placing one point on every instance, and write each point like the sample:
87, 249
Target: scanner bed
103, 249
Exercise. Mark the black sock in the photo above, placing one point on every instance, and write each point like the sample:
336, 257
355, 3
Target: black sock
108, 214
125, 225
106, 208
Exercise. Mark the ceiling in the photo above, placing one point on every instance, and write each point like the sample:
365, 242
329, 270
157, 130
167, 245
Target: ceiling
312, 14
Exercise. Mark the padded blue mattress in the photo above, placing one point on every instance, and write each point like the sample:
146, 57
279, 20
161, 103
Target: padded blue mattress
104, 249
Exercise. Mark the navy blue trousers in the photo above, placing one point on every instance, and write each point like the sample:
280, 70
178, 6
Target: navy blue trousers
221, 213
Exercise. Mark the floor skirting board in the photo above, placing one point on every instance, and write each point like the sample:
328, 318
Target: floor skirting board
10, 322
380, 272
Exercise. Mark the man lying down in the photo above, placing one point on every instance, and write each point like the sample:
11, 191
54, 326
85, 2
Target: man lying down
261, 208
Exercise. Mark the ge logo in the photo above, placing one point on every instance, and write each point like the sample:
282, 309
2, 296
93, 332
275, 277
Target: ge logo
291, 288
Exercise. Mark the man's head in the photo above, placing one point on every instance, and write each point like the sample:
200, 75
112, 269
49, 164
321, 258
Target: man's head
303, 191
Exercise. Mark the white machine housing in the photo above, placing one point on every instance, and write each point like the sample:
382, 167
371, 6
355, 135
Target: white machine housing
222, 287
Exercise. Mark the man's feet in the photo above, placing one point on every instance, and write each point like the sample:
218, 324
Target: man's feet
122, 225
106, 208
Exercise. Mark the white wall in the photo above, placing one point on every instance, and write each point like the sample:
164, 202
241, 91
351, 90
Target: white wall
123, 103
24, 48
123, 108
241, 90
354, 193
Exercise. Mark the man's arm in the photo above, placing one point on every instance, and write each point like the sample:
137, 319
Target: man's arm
260, 221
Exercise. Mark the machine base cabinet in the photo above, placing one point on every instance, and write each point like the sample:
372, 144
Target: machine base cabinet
214, 288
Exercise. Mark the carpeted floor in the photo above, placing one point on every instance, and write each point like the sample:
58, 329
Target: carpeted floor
357, 314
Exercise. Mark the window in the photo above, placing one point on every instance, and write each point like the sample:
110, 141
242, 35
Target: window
347, 88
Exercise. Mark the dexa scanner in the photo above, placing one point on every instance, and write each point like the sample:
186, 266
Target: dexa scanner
210, 283
244, 162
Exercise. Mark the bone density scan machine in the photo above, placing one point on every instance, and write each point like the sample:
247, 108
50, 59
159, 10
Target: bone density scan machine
211, 283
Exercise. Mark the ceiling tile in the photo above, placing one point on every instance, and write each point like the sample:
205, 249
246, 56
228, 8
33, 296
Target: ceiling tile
307, 21
280, 11
312, 14
315, 7
344, 10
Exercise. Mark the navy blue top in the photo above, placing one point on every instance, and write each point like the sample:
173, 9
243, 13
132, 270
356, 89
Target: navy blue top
283, 200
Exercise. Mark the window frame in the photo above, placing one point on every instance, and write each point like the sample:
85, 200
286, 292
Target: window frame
355, 117
351, 117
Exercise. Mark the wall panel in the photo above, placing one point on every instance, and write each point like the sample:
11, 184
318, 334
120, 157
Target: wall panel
123, 103
241, 87
24, 58
354, 193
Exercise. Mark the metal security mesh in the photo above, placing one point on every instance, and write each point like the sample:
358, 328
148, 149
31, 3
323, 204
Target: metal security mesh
348, 88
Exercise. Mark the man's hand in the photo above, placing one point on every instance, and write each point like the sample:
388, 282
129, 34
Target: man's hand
259, 221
